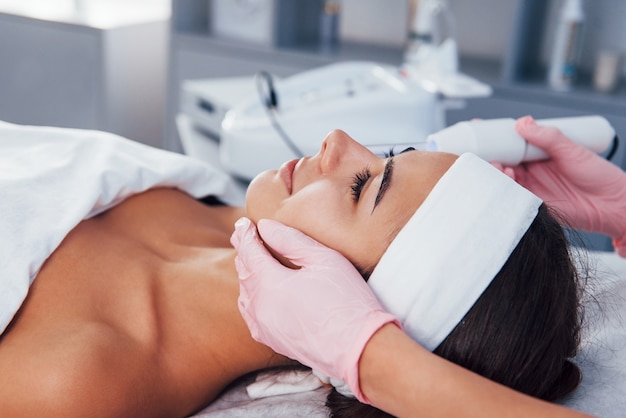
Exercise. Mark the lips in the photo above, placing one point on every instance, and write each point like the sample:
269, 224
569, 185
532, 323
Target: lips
286, 173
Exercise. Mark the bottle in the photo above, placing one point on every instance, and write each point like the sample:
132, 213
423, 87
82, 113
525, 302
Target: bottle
496, 140
432, 23
329, 26
567, 46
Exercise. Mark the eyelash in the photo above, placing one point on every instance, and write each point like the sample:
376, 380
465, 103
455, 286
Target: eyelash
390, 153
358, 182
360, 178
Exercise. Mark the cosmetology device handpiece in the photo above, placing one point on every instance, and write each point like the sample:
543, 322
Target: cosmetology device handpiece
496, 140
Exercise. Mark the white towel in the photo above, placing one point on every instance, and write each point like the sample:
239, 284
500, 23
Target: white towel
275, 383
52, 178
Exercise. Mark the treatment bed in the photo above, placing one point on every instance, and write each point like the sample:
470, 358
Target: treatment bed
602, 358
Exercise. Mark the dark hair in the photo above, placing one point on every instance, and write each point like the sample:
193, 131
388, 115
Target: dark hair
524, 329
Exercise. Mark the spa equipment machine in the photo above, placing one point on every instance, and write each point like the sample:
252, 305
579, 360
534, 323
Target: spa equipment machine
380, 106
262, 121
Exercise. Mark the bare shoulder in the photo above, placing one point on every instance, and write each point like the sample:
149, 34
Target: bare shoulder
164, 208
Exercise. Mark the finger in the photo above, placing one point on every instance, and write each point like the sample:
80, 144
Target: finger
294, 245
281, 236
533, 133
252, 254
509, 171
548, 138
244, 295
243, 227
242, 269
246, 304
565, 152
248, 318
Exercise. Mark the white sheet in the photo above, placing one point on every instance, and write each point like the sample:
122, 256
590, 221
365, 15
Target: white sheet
603, 354
51, 179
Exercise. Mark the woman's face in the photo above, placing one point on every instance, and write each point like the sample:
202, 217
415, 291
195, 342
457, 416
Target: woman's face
346, 197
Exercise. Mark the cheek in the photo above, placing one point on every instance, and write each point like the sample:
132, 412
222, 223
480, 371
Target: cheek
319, 213
315, 216
339, 231
324, 213
263, 197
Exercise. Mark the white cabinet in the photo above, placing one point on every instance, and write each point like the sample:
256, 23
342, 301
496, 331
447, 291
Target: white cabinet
73, 74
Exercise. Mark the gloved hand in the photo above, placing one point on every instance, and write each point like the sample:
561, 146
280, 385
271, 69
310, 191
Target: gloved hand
321, 314
587, 189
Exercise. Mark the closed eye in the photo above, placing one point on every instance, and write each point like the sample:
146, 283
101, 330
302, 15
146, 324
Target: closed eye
358, 182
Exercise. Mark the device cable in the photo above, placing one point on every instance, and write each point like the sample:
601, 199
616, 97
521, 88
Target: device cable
269, 99
613, 149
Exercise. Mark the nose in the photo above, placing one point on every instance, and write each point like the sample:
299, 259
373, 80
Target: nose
334, 146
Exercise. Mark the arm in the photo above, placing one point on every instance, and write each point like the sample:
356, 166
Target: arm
324, 316
392, 362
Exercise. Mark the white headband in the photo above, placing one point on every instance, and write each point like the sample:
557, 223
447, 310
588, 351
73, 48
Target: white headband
453, 246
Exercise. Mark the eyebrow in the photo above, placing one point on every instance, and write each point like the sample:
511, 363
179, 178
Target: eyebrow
384, 183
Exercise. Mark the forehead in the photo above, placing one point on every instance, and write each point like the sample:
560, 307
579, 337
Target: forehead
414, 176
416, 173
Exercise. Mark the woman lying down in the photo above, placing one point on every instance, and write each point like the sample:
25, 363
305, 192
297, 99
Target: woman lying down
119, 289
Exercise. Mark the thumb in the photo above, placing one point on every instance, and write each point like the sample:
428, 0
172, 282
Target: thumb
559, 147
296, 246
548, 138
251, 253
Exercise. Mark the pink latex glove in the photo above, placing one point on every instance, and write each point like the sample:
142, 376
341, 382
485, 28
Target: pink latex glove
584, 187
322, 314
